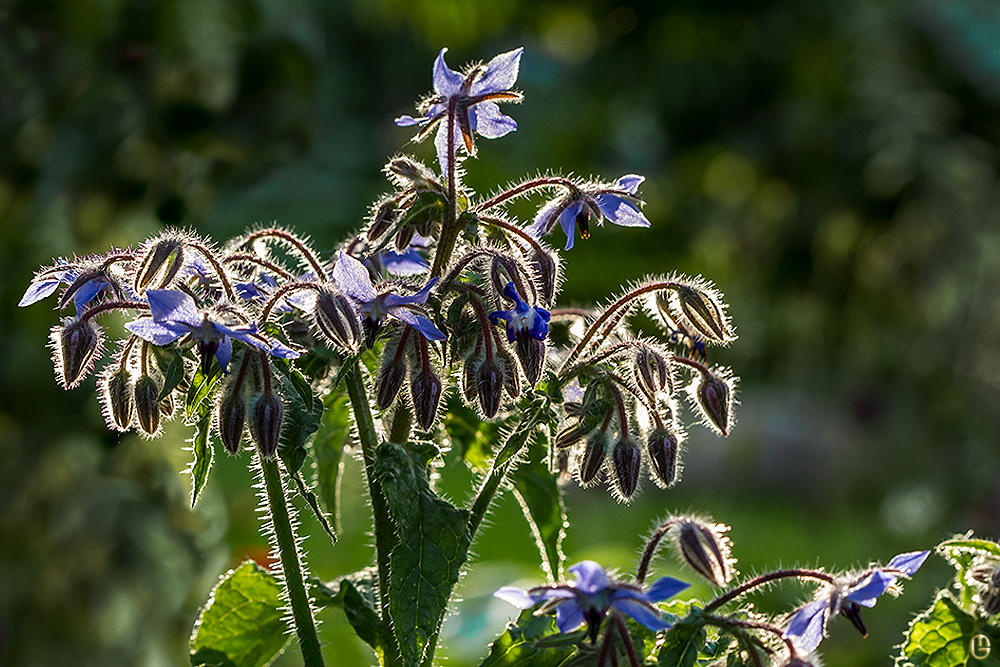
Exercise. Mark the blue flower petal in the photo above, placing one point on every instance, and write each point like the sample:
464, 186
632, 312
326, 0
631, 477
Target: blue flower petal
447, 82
867, 590
567, 219
421, 324
167, 305
665, 588
808, 624
407, 121
909, 562
157, 333
87, 292
515, 596
620, 211
394, 300
40, 289
641, 613
353, 279
408, 263
569, 616
629, 183
590, 577
487, 121
224, 354
500, 75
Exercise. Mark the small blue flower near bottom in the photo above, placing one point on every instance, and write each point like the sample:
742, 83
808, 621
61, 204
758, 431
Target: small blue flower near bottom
846, 597
593, 594
174, 314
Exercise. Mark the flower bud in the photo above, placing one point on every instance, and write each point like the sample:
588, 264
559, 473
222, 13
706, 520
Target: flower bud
569, 436
337, 319
531, 354
663, 447
592, 460
390, 378
167, 406
469, 389
989, 595
231, 420
118, 397
147, 405
425, 390
383, 215
266, 416
547, 271
652, 373
705, 313
410, 174
160, 264
706, 549
713, 396
75, 345
489, 386
404, 236
511, 378
626, 463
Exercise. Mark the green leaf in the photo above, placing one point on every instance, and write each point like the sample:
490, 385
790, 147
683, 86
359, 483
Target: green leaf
201, 388
983, 547
519, 645
172, 376
432, 545
328, 450
944, 635
538, 493
963, 554
682, 644
355, 593
242, 625
201, 445
474, 437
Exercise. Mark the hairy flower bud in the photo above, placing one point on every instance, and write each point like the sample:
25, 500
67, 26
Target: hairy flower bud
706, 549
425, 390
404, 236
231, 419
626, 463
337, 319
160, 264
75, 345
266, 415
569, 436
652, 373
383, 215
989, 595
489, 386
410, 174
706, 314
547, 270
663, 448
390, 378
167, 406
118, 397
469, 368
147, 405
592, 460
531, 354
713, 396
511, 378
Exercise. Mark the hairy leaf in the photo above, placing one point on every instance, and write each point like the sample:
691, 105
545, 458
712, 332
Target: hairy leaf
328, 450
242, 625
425, 566
303, 411
201, 445
963, 554
519, 645
947, 636
355, 593
682, 644
538, 493
201, 388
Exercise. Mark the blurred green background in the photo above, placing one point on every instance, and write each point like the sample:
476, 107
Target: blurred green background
832, 166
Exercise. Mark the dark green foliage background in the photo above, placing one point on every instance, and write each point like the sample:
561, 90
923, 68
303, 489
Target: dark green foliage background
831, 166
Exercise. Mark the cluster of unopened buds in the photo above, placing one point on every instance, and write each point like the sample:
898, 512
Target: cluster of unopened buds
439, 291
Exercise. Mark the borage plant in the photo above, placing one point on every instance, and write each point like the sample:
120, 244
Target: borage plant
434, 331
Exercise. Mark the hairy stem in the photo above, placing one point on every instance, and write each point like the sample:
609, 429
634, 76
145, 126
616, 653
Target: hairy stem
449, 227
757, 582
298, 599
527, 186
382, 522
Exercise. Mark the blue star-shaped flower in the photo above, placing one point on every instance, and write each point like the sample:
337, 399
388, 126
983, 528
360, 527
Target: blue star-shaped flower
85, 285
174, 314
592, 595
808, 625
355, 281
265, 285
617, 203
475, 96
523, 321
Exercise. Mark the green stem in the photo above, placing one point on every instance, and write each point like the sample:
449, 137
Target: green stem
382, 523
501, 464
298, 599
449, 226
